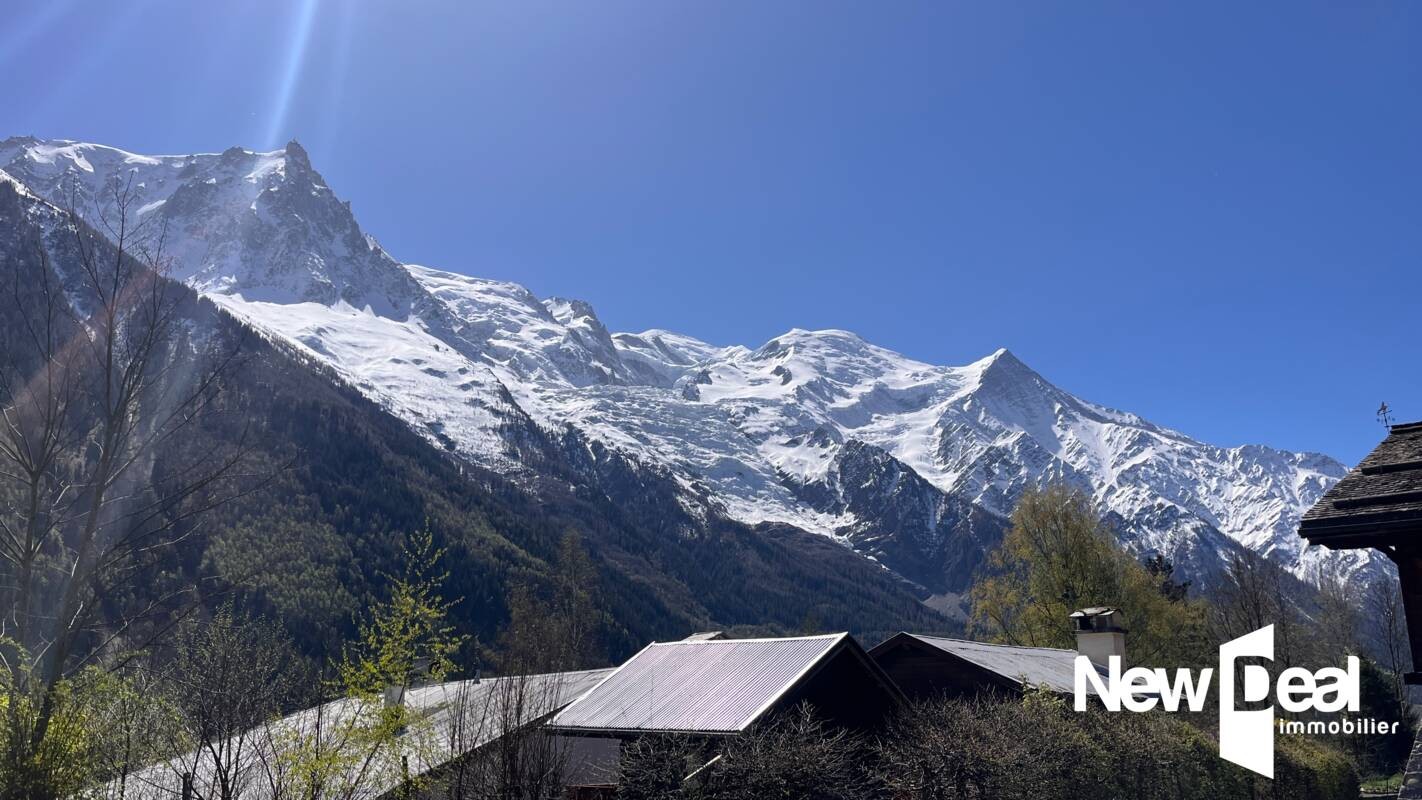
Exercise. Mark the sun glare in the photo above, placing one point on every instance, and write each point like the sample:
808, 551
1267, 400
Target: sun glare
291, 72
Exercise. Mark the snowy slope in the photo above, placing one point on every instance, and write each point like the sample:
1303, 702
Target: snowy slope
912, 463
260, 225
262, 235
399, 365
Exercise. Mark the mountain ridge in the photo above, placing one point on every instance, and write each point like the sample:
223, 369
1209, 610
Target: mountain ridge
770, 435
339, 482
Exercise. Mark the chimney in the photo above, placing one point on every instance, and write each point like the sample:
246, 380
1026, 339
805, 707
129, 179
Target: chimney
394, 694
1099, 634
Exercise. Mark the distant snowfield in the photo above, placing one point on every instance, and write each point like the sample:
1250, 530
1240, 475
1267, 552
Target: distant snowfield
762, 431
396, 363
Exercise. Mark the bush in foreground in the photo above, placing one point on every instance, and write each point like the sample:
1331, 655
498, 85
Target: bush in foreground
1040, 748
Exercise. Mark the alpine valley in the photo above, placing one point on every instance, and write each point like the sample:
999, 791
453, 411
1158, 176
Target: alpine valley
891, 475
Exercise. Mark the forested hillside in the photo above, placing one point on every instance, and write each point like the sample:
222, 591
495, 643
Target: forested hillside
350, 481
332, 484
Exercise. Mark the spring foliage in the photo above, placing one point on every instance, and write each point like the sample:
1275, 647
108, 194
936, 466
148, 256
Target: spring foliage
409, 629
1060, 556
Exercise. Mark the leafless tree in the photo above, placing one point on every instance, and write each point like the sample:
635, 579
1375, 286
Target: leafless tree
230, 676
556, 627
972, 748
128, 725
657, 767
100, 379
496, 745
1010, 748
1384, 604
1255, 593
1336, 627
324, 753
795, 754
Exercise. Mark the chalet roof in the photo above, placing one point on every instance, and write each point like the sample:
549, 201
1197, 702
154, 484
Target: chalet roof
458, 717
1019, 666
1380, 497
718, 686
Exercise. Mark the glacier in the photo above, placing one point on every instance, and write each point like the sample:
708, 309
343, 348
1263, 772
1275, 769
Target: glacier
915, 465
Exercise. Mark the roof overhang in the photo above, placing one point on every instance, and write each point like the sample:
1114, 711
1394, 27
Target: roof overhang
916, 643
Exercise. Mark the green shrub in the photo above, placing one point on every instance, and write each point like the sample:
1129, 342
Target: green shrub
1040, 748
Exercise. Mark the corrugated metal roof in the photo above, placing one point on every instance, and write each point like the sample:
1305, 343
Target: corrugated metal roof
717, 686
457, 718
1032, 666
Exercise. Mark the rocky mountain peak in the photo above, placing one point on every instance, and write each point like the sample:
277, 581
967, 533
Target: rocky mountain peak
1002, 369
296, 156
817, 429
569, 311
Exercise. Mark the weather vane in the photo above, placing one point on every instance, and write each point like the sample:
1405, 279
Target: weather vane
1385, 415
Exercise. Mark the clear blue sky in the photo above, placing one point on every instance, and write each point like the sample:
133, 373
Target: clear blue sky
1210, 214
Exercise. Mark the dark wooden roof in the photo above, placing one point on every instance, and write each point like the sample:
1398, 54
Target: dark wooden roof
1379, 502
1010, 666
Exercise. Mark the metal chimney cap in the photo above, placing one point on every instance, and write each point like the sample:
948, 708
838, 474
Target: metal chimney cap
1097, 619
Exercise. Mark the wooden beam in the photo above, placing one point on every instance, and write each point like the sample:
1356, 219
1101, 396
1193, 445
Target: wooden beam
1409, 573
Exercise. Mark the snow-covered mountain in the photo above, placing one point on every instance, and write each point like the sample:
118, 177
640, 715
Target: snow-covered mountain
913, 464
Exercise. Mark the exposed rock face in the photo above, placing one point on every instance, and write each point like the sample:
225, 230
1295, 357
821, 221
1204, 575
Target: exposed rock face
913, 464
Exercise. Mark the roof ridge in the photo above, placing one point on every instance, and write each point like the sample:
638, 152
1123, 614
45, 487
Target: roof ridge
989, 644
840, 635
